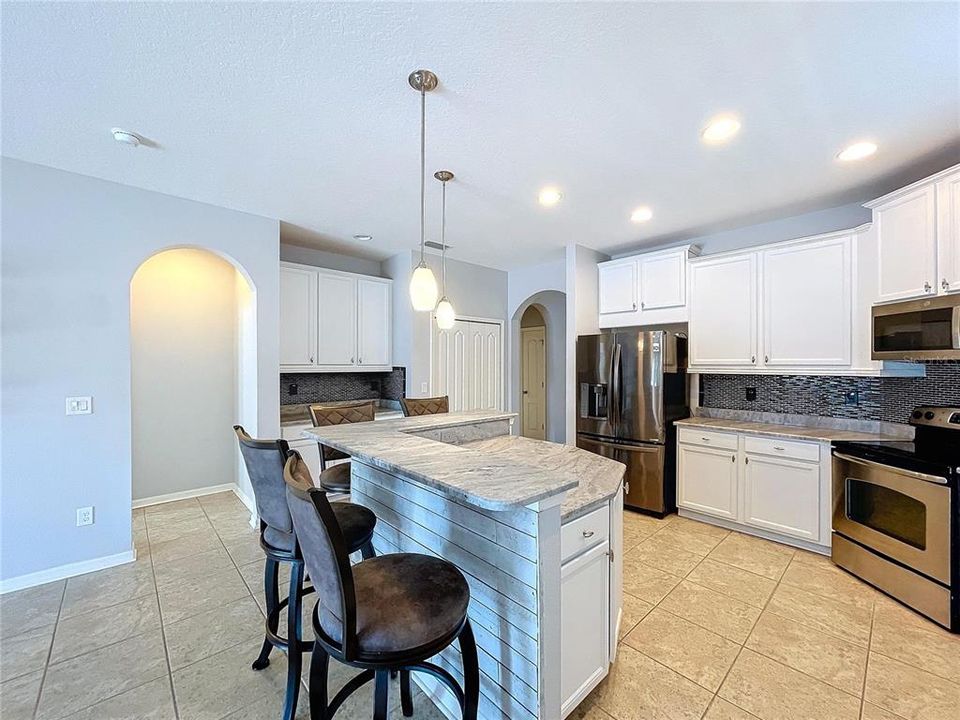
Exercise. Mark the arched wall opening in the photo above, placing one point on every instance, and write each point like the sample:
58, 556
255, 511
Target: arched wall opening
551, 305
193, 373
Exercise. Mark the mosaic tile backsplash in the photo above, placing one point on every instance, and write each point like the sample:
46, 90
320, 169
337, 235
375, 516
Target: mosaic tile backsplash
325, 387
889, 399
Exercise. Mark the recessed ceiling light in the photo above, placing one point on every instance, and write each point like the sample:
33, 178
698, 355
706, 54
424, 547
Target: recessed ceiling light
857, 151
363, 238
126, 137
720, 129
550, 196
641, 214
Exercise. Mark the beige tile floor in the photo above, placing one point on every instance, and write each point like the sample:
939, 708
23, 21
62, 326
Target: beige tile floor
717, 625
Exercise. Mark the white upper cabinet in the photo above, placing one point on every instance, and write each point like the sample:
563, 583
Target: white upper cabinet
918, 238
332, 321
663, 280
618, 286
948, 233
807, 296
723, 311
338, 319
298, 316
648, 289
374, 312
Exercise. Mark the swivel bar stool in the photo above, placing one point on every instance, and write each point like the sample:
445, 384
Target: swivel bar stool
336, 478
385, 614
425, 406
264, 460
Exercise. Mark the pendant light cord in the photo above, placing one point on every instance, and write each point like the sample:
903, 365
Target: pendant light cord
423, 165
443, 241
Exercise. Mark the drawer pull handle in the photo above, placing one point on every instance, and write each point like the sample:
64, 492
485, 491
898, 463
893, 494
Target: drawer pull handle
588, 533
776, 447
705, 439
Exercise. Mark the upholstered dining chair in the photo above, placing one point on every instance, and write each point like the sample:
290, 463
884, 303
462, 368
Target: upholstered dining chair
386, 614
425, 406
336, 478
264, 460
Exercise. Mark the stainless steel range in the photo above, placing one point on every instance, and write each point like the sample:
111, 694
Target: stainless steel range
896, 520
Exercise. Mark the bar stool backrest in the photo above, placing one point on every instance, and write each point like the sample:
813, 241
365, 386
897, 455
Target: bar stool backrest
323, 548
323, 415
425, 406
264, 460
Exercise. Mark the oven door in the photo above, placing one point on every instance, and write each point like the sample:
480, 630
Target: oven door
901, 514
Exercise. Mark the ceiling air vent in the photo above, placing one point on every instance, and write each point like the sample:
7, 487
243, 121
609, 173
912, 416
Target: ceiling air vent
433, 245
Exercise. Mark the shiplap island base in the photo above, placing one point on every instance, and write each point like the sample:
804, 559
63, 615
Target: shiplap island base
535, 527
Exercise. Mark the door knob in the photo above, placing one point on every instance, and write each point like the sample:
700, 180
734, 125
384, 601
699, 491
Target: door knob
525, 392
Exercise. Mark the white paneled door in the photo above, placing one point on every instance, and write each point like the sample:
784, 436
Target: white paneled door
467, 365
533, 404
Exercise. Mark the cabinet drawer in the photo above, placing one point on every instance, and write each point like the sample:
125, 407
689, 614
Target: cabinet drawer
709, 438
583, 533
782, 448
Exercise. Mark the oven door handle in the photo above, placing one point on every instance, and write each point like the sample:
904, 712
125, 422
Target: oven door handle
891, 468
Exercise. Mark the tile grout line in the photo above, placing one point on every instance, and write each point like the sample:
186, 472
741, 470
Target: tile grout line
866, 665
163, 632
46, 664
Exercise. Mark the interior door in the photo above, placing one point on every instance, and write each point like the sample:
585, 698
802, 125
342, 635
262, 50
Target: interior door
467, 365
533, 405
337, 319
450, 365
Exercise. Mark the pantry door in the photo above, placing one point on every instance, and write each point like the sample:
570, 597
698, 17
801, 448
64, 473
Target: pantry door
467, 365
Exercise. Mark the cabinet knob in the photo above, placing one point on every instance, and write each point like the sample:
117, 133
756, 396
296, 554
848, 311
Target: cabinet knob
944, 284
642, 305
311, 358
766, 358
746, 461
351, 361
927, 287
634, 306
359, 361
753, 358
733, 458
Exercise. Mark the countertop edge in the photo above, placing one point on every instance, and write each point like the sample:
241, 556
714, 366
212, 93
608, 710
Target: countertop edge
792, 432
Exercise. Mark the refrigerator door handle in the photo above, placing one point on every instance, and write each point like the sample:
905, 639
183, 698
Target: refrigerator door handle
615, 385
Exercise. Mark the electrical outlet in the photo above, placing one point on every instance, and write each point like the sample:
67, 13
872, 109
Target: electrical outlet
82, 405
292, 389
852, 397
751, 393
84, 516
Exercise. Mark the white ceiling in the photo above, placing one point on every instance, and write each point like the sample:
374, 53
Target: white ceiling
302, 112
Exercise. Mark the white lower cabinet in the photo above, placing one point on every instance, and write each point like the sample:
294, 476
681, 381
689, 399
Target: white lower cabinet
767, 486
584, 623
782, 495
707, 480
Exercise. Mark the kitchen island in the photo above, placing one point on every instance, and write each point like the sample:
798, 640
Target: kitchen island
536, 529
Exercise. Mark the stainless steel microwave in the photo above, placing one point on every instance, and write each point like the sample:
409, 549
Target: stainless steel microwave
924, 329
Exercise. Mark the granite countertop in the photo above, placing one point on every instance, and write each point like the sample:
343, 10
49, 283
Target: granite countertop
599, 477
796, 432
293, 415
489, 480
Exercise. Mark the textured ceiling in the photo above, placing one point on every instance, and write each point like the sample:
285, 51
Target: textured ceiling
301, 112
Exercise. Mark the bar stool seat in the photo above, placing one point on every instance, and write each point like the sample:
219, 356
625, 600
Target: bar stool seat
405, 603
356, 521
336, 478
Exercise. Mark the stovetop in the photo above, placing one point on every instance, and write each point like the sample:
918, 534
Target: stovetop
935, 449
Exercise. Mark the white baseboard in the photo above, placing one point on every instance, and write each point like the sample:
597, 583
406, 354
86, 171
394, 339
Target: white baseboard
249, 504
60, 572
184, 495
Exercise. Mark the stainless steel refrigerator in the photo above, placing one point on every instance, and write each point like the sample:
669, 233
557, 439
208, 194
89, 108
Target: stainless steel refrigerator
631, 386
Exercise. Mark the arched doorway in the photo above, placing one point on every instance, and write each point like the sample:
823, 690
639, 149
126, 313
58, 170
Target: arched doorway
193, 373
533, 374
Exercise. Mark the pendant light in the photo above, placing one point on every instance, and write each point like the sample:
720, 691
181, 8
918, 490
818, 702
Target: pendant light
423, 285
444, 313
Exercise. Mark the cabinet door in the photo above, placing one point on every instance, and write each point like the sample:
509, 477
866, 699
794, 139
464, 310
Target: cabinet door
807, 294
663, 281
707, 480
948, 233
374, 321
337, 319
723, 311
584, 625
484, 366
618, 286
907, 245
298, 316
782, 496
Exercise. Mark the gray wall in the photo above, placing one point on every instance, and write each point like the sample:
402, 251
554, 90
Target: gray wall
70, 245
552, 304
329, 260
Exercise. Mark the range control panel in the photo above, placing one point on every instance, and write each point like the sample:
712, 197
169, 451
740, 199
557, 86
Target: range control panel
937, 416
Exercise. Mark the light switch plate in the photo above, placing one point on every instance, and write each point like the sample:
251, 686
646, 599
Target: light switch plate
424, 387
80, 405
84, 516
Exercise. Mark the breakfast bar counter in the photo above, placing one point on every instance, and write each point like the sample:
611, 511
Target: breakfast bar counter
536, 529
